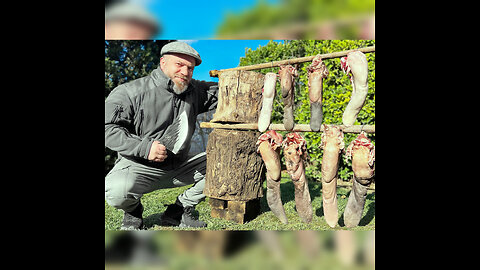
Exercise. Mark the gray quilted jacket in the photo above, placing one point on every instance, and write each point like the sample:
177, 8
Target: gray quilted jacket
147, 109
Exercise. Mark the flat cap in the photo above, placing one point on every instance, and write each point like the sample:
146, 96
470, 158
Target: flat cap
183, 48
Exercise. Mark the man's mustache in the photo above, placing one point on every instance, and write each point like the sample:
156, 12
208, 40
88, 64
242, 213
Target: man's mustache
182, 77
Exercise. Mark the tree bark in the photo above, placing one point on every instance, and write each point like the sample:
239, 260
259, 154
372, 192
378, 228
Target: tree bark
234, 169
239, 97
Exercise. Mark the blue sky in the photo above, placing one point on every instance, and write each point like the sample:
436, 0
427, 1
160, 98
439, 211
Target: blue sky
220, 54
194, 19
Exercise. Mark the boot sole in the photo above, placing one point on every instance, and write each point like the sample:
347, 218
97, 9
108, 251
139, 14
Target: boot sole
183, 225
169, 222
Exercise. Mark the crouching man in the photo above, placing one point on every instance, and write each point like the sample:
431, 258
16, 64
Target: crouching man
150, 122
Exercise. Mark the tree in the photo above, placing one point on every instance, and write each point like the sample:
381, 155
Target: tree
306, 16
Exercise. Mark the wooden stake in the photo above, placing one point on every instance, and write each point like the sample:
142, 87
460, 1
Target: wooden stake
216, 73
280, 127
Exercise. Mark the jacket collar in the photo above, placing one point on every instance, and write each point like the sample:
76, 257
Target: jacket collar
160, 78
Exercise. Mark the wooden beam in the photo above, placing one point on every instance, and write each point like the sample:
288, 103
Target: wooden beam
280, 127
216, 73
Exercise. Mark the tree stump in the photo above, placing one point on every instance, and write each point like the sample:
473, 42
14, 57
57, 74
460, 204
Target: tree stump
235, 172
239, 97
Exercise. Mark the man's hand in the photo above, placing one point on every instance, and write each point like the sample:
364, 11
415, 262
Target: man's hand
158, 152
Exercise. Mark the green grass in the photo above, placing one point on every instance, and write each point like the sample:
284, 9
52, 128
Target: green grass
155, 203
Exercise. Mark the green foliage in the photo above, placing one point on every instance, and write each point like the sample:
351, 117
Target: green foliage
337, 91
129, 60
264, 16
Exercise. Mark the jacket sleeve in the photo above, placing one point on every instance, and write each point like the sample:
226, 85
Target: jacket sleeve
119, 126
208, 96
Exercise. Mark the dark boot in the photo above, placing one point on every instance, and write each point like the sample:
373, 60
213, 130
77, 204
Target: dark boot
189, 220
173, 214
177, 215
133, 220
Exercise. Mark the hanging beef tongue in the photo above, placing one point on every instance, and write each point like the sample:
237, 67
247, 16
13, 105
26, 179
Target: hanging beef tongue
316, 72
362, 152
268, 95
268, 145
295, 151
332, 145
287, 83
356, 66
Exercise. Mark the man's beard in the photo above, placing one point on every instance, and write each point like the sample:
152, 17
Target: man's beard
179, 89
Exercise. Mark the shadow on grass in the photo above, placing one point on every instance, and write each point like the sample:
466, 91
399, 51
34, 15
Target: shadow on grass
152, 220
156, 220
370, 212
368, 216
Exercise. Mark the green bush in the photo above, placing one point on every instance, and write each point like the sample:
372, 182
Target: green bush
337, 90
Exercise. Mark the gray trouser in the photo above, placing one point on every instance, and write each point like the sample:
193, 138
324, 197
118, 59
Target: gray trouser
128, 181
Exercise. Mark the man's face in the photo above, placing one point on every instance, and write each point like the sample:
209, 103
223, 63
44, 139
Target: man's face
179, 68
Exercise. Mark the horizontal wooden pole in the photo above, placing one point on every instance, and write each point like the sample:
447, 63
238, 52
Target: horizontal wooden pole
216, 73
281, 127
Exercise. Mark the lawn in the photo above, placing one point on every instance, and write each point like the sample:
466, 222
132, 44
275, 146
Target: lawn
155, 203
